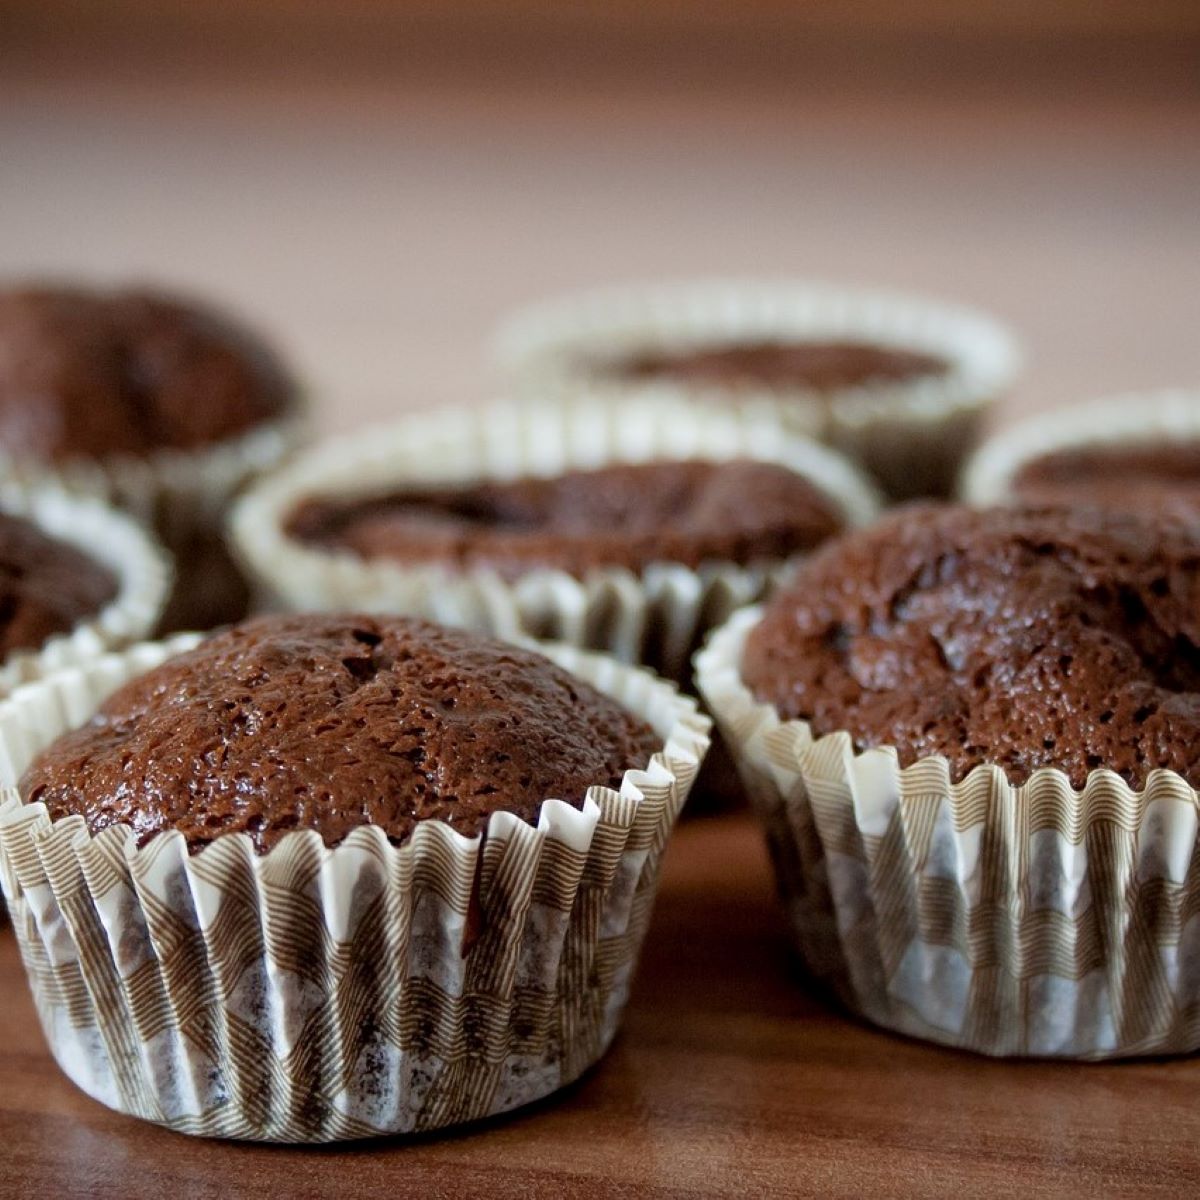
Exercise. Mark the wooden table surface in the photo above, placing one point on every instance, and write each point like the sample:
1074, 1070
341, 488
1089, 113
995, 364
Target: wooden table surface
380, 222
730, 1078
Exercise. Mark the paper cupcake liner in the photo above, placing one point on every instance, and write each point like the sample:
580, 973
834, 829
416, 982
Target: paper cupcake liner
1032, 920
110, 538
184, 497
912, 435
654, 617
309, 994
1140, 417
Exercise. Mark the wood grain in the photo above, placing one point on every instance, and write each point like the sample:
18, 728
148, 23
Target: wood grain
731, 1078
380, 222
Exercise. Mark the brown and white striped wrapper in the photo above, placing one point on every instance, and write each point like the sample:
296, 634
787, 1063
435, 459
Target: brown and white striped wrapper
655, 617
112, 539
183, 496
911, 434
1029, 921
1139, 418
314, 994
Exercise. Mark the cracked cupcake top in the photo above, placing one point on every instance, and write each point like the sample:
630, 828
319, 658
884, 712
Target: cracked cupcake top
1026, 637
329, 722
89, 374
47, 586
625, 515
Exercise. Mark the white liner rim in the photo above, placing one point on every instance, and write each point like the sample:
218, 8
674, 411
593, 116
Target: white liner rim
1135, 417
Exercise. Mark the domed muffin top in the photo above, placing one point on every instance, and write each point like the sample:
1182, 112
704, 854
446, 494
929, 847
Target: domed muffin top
624, 515
1026, 637
89, 374
47, 586
1149, 476
329, 722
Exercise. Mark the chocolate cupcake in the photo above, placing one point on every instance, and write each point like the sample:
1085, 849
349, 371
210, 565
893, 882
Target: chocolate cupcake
76, 579
331, 876
974, 738
1134, 453
161, 405
899, 383
629, 529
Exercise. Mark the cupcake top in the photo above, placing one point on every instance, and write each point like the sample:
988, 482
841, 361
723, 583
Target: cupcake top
818, 365
47, 586
1026, 637
90, 374
332, 721
626, 515
1154, 476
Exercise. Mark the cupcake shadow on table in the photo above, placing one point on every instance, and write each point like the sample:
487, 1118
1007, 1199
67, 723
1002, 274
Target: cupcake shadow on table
971, 738
328, 876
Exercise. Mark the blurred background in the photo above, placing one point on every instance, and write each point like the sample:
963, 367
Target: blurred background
376, 183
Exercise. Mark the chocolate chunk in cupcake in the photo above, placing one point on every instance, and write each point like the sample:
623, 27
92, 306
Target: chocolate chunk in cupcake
1026, 637
624, 515
47, 586
329, 722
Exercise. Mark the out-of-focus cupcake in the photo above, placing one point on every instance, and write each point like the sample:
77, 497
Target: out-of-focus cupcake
899, 383
160, 405
76, 580
330, 876
628, 528
1139, 451
973, 736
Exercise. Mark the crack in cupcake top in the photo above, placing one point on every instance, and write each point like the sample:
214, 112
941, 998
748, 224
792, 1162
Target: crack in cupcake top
625, 515
1152, 476
90, 374
1026, 637
47, 586
819, 365
329, 722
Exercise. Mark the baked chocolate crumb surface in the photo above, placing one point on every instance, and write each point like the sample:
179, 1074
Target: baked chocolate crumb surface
1148, 476
822, 366
332, 721
1027, 637
90, 374
625, 515
47, 586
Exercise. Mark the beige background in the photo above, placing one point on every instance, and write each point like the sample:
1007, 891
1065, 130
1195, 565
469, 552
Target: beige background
380, 199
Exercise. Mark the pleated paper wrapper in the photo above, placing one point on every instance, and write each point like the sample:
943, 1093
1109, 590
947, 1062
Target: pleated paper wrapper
183, 496
1025, 921
1169, 416
310, 994
655, 617
912, 434
112, 539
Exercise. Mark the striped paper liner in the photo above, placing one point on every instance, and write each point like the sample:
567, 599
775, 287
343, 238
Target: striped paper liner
1027, 921
110, 538
911, 434
1169, 415
183, 496
655, 617
314, 994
